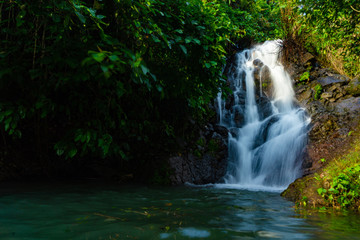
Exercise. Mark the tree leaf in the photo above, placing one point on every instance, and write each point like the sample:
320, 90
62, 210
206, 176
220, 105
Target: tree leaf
114, 58
81, 17
144, 69
197, 41
98, 56
183, 48
72, 152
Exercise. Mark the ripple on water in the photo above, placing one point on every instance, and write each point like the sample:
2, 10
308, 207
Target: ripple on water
194, 233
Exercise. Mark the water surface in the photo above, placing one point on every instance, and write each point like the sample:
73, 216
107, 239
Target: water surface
103, 211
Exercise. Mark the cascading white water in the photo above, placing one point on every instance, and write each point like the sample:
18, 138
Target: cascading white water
267, 134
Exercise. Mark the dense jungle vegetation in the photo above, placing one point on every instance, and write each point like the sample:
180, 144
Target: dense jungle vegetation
96, 83
113, 81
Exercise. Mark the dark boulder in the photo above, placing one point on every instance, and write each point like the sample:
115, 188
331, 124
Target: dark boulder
258, 63
206, 162
264, 107
262, 79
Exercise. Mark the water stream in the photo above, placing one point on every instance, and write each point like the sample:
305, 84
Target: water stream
268, 131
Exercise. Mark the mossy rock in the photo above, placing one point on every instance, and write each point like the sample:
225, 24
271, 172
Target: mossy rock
304, 192
353, 87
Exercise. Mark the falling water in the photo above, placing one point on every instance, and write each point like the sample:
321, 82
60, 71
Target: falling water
268, 131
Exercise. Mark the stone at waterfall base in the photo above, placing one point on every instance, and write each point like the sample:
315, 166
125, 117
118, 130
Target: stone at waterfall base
304, 192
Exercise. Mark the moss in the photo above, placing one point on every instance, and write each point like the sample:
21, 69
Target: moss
336, 186
304, 192
201, 142
305, 77
318, 90
197, 153
340, 181
213, 146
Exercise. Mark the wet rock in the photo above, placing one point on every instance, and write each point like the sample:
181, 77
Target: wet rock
332, 118
239, 117
325, 72
239, 97
348, 106
205, 162
266, 83
258, 63
325, 81
323, 125
353, 87
304, 97
307, 58
304, 188
263, 81
223, 131
326, 95
263, 133
209, 127
300, 89
229, 101
264, 107
339, 95
234, 132
332, 88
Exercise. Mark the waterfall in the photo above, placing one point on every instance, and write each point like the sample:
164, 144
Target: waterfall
267, 130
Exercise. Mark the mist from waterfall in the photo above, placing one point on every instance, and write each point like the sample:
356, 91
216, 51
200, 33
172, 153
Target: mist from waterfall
268, 130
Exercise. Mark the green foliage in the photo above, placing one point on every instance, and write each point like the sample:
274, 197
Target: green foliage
104, 79
340, 181
304, 201
344, 190
331, 29
304, 77
318, 90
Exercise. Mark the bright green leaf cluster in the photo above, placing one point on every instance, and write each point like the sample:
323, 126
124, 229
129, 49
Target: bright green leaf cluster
344, 191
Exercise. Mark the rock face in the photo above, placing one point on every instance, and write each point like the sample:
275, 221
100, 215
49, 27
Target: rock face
203, 163
262, 78
333, 102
